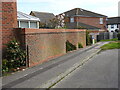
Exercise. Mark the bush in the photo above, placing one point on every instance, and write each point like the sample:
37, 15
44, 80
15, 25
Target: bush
4, 65
15, 57
69, 46
80, 45
118, 36
88, 39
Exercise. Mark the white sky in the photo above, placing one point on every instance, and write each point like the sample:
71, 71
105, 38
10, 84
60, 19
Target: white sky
105, 7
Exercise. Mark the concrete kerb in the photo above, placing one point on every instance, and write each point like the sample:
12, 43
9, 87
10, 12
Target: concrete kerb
57, 79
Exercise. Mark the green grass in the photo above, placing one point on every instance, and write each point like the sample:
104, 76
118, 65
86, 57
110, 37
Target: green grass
111, 45
115, 39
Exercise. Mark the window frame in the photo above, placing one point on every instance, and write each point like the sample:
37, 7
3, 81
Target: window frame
101, 20
112, 26
72, 20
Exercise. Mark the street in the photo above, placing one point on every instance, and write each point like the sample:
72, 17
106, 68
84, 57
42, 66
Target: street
99, 72
84, 68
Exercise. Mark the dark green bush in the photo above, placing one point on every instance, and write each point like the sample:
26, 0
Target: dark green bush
70, 46
5, 66
88, 39
80, 45
15, 57
118, 36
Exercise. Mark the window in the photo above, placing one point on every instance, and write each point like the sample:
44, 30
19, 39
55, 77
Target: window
24, 24
112, 26
71, 19
33, 24
101, 20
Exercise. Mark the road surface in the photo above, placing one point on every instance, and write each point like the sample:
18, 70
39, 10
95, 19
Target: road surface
99, 72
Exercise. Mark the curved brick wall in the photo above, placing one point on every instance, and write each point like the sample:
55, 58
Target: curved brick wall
44, 44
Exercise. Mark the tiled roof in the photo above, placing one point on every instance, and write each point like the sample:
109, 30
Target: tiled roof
87, 26
113, 20
81, 25
43, 16
23, 16
82, 12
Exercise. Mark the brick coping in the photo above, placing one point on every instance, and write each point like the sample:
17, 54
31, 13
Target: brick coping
30, 31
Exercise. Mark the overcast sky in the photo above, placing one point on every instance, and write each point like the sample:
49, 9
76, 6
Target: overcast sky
105, 7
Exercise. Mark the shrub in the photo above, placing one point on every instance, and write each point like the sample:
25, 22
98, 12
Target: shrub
70, 46
80, 45
118, 36
15, 57
88, 39
4, 65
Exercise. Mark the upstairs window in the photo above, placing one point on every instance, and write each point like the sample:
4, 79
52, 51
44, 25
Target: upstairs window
72, 20
112, 26
101, 20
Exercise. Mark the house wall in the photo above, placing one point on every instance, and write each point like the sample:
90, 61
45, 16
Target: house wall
44, 44
93, 21
112, 29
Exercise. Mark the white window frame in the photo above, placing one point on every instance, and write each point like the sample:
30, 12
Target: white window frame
72, 19
112, 26
101, 20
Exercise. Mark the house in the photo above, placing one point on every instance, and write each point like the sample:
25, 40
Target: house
113, 24
44, 17
81, 18
27, 21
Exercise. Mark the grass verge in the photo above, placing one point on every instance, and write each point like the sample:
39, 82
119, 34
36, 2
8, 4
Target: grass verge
111, 45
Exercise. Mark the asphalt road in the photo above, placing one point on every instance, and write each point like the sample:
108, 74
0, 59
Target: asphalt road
37, 76
100, 71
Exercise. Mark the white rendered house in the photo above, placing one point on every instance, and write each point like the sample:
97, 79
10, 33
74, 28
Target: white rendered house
113, 24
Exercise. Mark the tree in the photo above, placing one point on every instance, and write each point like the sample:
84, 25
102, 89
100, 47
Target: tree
54, 22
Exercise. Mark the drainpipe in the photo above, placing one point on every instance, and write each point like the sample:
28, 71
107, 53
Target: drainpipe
77, 22
77, 17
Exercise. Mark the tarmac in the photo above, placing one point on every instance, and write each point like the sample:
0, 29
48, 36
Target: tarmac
51, 72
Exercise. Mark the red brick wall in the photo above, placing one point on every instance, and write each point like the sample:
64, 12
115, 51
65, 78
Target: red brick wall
44, 44
0, 26
9, 21
93, 21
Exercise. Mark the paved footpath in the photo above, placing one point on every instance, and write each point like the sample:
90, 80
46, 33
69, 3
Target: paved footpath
47, 74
